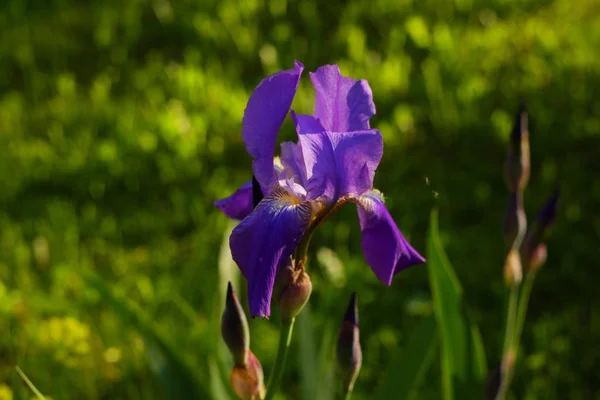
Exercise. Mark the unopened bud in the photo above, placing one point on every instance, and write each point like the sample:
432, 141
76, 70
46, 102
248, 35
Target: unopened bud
248, 381
538, 258
515, 221
295, 291
349, 353
492, 385
513, 269
538, 233
517, 158
234, 328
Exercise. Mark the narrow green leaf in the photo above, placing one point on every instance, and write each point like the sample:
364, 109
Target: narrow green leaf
228, 272
17, 387
463, 358
179, 380
327, 377
217, 387
308, 364
35, 391
410, 364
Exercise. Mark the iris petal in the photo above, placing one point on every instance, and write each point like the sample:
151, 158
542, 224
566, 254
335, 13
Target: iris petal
342, 104
239, 204
264, 114
264, 241
293, 162
340, 163
386, 250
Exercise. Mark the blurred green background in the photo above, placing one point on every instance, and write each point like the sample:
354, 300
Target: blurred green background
120, 125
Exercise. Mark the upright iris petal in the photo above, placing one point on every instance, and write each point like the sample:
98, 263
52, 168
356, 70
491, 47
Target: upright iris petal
340, 163
384, 247
292, 161
267, 108
342, 104
265, 240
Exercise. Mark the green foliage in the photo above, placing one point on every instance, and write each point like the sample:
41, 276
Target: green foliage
120, 125
463, 357
177, 377
30, 384
409, 366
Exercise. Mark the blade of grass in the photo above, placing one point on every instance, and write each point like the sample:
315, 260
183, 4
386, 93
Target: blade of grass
37, 393
463, 357
326, 376
178, 378
307, 357
409, 366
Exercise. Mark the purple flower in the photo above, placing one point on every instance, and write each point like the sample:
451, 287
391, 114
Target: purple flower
333, 163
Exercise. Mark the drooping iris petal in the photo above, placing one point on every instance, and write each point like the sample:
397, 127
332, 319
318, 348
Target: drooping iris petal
264, 114
342, 104
264, 241
340, 163
239, 204
386, 250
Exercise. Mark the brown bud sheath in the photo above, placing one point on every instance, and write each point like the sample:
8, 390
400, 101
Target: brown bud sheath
513, 269
234, 329
296, 288
248, 381
515, 221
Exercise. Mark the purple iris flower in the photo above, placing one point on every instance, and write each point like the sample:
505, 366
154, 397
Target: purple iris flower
333, 163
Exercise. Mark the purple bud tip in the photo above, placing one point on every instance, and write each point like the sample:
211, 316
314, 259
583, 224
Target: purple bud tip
520, 126
351, 314
230, 294
257, 194
349, 353
234, 328
493, 383
547, 214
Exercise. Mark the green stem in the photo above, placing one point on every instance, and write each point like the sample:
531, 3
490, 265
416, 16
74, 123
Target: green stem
511, 318
522, 311
513, 349
348, 395
285, 337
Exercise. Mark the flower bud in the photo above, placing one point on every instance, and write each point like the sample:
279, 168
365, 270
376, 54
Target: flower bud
534, 256
296, 288
234, 329
513, 270
248, 381
538, 258
515, 222
517, 158
492, 385
349, 353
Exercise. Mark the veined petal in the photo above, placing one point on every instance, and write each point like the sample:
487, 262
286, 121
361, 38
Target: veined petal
264, 241
264, 114
239, 204
340, 163
306, 123
386, 250
293, 162
341, 104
